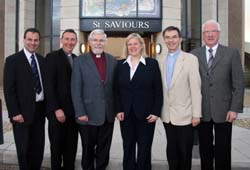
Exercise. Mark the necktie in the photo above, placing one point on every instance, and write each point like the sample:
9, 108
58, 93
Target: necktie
210, 60
37, 87
70, 59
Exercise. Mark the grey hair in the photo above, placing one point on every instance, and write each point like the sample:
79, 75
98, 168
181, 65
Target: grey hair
97, 31
211, 22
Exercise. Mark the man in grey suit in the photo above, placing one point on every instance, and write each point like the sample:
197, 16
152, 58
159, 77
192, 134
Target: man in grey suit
92, 95
222, 97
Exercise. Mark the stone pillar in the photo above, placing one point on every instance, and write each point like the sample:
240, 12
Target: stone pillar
70, 19
2, 15
26, 18
209, 10
236, 37
10, 27
223, 20
171, 15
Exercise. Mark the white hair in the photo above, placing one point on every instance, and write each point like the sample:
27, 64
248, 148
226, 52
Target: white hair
211, 22
97, 31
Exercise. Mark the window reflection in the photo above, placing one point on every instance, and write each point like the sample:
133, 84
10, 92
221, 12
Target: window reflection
149, 8
92, 8
121, 8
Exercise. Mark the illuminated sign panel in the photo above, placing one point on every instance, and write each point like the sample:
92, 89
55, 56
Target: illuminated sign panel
121, 15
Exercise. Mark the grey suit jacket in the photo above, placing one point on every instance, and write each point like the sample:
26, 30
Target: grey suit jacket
90, 95
222, 90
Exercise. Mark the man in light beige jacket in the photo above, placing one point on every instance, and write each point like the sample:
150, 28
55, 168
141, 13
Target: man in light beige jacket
182, 99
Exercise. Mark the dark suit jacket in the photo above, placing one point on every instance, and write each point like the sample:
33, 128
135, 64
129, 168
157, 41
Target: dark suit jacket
223, 90
143, 93
90, 95
19, 85
58, 91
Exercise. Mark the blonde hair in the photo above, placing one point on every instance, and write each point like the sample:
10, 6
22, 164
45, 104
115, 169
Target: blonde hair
141, 41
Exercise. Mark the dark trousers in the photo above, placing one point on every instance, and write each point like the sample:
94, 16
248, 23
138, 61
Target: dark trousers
179, 146
63, 143
138, 132
30, 139
96, 142
215, 145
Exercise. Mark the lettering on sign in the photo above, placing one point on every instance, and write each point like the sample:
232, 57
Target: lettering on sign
121, 25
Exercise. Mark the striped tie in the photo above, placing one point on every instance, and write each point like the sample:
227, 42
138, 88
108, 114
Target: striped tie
210, 60
37, 85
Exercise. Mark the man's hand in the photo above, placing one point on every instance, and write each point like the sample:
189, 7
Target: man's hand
120, 116
195, 121
18, 118
83, 118
60, 116
231, 116
152, 118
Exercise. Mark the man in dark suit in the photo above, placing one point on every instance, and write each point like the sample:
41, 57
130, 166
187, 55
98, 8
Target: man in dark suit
63, 133
24, 96
222, 97
92, 95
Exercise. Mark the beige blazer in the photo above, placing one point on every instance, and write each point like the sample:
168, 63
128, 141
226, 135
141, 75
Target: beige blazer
182, 101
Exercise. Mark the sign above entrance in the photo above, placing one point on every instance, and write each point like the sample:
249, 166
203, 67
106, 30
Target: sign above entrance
118, 25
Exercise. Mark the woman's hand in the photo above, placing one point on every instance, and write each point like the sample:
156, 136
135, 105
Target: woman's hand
83, 118
152, 118
120, 116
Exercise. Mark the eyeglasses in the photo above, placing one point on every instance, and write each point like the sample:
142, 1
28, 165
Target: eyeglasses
98, 40
210, 32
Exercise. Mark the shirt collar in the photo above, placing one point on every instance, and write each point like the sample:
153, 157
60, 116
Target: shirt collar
27, 53
214, 47
128, 60
176, 53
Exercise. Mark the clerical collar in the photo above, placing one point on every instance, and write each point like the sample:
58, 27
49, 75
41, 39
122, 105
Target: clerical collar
97, 55
67, 54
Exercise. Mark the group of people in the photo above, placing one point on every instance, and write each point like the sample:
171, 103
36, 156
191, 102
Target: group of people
84, 94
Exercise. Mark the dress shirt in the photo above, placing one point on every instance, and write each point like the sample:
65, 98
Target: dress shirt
100, 62
171, 60
40, 96
133, 70
214, 51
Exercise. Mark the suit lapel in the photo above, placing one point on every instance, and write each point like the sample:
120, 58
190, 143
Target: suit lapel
25, 61
92, 66
218, 56
108, 69
203, 57
177, 69
164, 69
138, 71
65, 59
126, 72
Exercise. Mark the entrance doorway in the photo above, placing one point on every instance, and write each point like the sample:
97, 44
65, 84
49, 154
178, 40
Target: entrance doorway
115, 46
